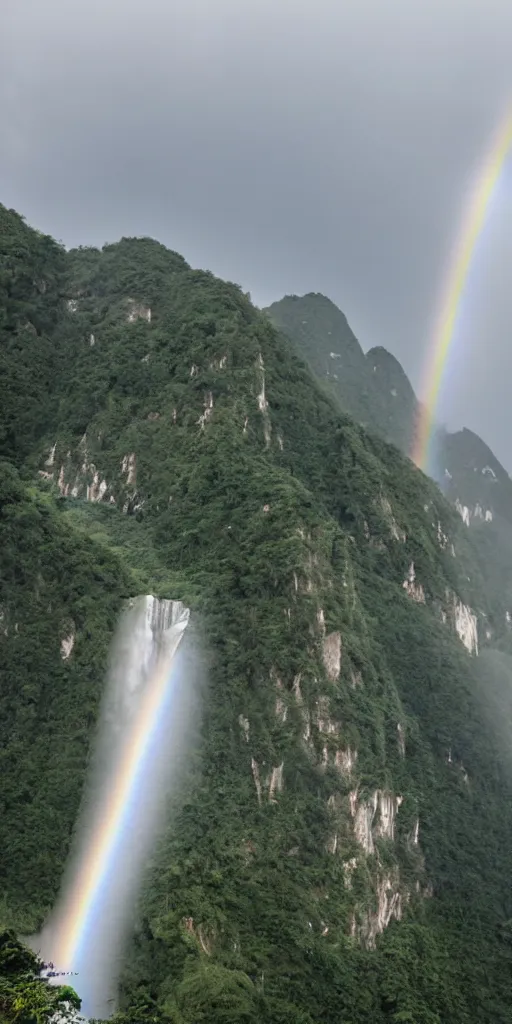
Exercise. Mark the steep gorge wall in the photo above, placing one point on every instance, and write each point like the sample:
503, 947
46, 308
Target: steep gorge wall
344, 767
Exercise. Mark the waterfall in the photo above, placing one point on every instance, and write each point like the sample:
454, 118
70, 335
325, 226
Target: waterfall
144, 730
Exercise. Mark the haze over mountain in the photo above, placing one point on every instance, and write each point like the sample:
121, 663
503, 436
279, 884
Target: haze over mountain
324, 146
343, 852
374, 388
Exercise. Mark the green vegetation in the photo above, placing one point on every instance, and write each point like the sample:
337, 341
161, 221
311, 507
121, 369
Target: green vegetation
342, 853
24, 997
372, 388
55, 586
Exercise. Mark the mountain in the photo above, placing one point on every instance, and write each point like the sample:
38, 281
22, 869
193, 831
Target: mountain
343, 849
399, 405
474, 479
375, 390
372, 388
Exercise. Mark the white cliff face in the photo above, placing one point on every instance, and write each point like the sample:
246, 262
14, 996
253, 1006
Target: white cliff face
137, 311
441, 537
374, 818
61, 483
262, 401
256, 776
281, 709
463, 511
84, 482
331, 845
484, 514
349, 867
66, 645
96, 490
244, 725
270, 785
466, 626
414, 837
389, 906
208, 410
461, 618
297, 692
363, 823
352, 801
388, 806
396, 532
324, 722
275, 784
414, 590
306, 723
401, 739
219, 364
331, 654
51, 456
467, 514
345, 761
129, 470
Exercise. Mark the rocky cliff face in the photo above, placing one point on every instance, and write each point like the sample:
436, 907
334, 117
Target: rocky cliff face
347, 781
473, 478
376, 391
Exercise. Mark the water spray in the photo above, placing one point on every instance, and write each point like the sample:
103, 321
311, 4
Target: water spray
144, 732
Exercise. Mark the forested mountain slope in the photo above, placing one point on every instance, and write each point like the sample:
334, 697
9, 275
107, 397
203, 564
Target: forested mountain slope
344, 849
372, 388
377, 392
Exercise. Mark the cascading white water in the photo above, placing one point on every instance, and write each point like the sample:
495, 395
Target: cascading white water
144, 731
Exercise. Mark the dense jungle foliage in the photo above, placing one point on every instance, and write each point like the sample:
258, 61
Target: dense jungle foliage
343, 849
25, 998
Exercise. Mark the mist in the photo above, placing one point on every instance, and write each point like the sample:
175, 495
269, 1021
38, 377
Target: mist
493, 672
292, 148
146, 727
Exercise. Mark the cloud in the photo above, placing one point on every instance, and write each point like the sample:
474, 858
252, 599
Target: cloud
291, 147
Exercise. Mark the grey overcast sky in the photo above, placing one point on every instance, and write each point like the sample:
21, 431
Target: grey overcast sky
289, 145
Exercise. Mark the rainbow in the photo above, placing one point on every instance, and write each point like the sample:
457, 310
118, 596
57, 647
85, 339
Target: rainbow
473, 222
112, 825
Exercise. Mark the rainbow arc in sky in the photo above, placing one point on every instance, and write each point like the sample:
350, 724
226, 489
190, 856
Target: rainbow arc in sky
472, 224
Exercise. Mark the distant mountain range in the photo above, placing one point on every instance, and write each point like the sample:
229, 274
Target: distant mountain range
374, 388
